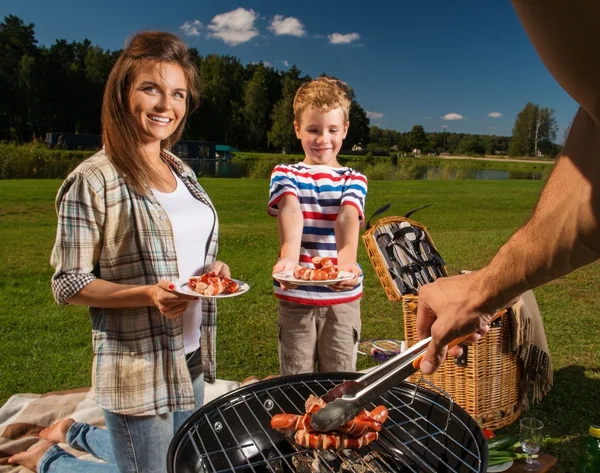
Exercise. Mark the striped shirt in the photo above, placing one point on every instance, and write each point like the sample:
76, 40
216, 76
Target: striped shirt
108, 231
321, 191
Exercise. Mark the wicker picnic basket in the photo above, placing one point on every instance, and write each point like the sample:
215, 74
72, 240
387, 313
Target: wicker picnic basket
485, 380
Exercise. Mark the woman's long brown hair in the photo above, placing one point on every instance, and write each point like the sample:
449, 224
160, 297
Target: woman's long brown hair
119, 133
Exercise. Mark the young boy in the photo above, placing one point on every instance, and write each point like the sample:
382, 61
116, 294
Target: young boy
319, 205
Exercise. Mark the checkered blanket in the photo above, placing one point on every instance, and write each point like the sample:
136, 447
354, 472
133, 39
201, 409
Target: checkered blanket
25, 415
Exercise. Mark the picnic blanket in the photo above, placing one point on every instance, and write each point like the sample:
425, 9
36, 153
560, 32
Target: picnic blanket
24, 416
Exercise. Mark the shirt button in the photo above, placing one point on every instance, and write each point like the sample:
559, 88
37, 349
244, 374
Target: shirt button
162, 217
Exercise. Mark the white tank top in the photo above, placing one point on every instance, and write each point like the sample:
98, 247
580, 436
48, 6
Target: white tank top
192, 222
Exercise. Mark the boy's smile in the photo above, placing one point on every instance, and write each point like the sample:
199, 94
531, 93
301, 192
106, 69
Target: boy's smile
322, 134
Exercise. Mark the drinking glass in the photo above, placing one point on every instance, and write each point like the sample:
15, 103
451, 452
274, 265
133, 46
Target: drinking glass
531, 441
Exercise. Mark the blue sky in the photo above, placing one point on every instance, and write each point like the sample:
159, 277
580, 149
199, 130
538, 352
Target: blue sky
467, 65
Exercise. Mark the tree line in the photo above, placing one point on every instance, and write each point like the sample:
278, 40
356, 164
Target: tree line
59, 88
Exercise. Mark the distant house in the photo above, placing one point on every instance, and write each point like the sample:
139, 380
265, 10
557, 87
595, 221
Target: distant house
195, 150
225, 152
357, 147
73, 140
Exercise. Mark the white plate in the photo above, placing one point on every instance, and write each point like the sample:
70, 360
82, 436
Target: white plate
499, 468
288, 276
181, 286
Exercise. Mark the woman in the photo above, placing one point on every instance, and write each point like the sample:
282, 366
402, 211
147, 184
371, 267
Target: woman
131, 220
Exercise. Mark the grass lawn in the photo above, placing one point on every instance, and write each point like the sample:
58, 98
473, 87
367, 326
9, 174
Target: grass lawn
46, 347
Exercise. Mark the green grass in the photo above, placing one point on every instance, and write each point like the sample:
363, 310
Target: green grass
46, 347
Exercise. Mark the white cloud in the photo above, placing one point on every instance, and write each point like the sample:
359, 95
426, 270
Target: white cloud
291, 26
495, 114
286, 63
374, 115
234, 27
338, 38
267, 64
191, 28
452, 116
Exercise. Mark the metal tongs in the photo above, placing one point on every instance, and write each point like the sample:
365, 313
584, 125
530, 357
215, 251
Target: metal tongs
346, 400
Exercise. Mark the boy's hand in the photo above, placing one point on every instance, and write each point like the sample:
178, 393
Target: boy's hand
285, 264
350, 283
220, 269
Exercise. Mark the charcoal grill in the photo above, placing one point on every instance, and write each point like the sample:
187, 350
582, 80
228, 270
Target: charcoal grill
425, 432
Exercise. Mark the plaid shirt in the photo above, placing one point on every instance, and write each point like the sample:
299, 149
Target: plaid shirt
107, 231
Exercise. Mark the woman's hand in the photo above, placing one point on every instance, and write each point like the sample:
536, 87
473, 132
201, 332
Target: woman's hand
220, 269
350, 283
171, 304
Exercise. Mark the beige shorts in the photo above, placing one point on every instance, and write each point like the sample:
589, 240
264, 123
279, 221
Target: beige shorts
318, 338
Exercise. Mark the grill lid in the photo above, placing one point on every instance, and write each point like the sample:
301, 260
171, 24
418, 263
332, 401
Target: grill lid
425, 432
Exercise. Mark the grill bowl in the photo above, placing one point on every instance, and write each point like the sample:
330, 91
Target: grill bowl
425, 432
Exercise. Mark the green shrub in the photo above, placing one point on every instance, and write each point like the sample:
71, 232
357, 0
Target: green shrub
447, 173
262, 168
35, 161
385, 171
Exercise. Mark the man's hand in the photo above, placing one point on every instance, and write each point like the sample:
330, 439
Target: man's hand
449, 308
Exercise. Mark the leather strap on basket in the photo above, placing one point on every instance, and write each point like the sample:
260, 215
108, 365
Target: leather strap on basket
380, 210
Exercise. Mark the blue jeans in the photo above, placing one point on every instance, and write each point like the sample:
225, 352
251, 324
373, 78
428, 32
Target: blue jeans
130, 444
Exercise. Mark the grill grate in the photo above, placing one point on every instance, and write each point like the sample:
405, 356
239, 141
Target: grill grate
425, 432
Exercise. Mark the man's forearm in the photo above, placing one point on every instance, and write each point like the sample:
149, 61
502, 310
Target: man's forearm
563, 232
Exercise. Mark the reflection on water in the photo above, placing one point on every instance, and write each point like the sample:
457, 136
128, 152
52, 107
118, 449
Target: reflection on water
219, 168
240, 169
495, 174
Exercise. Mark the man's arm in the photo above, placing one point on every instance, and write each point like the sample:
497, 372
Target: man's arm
566, 35
561, 236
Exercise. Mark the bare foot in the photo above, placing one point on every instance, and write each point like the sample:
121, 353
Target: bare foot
32, 456
57, 432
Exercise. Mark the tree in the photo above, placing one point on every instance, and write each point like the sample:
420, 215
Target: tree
472, 145
256, 109
534, 131
19, 59
219, 117
282, 135
358, 132
452, 142
417, 139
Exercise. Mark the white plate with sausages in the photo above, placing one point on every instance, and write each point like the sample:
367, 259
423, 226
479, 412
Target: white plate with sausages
181, 286
288, 276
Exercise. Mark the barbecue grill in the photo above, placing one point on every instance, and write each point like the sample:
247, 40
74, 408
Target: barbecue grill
425, 432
